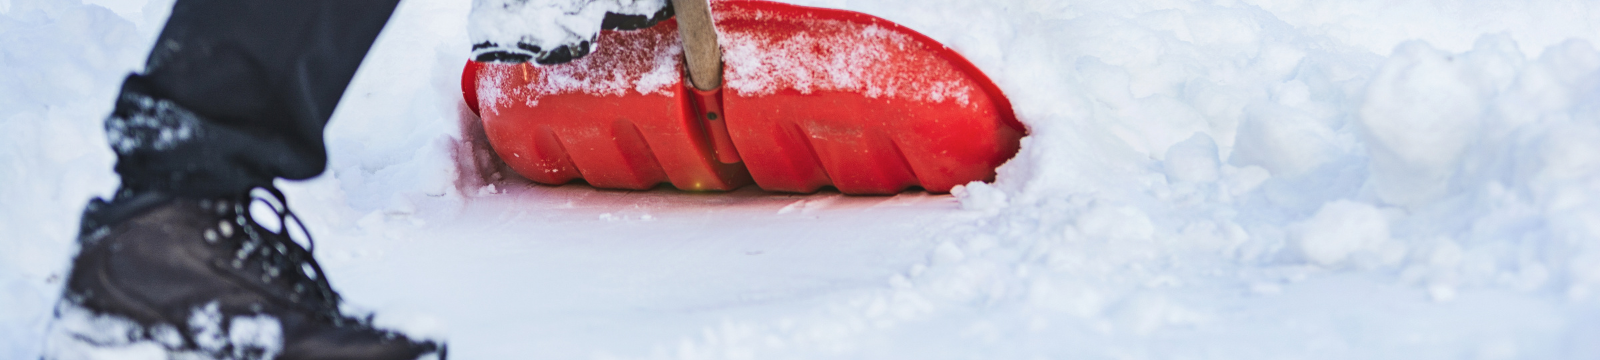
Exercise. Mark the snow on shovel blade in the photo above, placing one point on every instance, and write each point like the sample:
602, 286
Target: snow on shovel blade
811, 98
619, 118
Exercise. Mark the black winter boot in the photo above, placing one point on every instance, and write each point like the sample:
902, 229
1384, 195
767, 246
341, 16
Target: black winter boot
166, 277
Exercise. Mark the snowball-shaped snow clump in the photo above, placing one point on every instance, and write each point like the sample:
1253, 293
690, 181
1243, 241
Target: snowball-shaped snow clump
1193, 160
1347, 230
1422, 112
979, 196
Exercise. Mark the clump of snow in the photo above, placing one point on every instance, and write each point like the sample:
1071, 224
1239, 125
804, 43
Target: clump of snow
1194, 160
1283, 140
1347, 231
979, 196
80, 333
258, 337
1422, 111
238, 337
153, 124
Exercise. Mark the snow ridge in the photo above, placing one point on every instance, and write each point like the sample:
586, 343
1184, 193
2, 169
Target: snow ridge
1201, 172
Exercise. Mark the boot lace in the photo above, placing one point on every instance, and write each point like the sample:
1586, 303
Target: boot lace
278, 262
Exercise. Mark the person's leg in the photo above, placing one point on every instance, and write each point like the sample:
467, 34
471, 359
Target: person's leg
235, 94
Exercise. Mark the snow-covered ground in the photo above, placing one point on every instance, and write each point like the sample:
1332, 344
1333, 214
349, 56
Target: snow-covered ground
1409, 179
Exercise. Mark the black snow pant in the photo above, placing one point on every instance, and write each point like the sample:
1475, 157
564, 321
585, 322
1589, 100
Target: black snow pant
236, 93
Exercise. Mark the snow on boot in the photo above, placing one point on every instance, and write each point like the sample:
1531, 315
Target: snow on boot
166, 277
553, 31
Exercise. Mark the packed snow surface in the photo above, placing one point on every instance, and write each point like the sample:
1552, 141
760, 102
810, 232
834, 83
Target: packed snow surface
1252, 179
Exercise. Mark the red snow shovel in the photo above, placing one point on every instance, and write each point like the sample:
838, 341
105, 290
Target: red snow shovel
802, 98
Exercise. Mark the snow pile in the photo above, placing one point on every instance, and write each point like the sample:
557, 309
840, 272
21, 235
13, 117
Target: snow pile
1200, 173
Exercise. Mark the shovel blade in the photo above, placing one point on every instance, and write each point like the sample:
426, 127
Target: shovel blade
811, 98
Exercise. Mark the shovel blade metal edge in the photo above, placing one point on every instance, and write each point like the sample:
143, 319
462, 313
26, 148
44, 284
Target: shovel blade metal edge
812, 98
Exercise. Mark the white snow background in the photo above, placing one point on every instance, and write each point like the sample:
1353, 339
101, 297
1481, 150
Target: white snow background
1368, 179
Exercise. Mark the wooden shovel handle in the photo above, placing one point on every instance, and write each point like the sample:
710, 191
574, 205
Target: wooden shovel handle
700, 47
